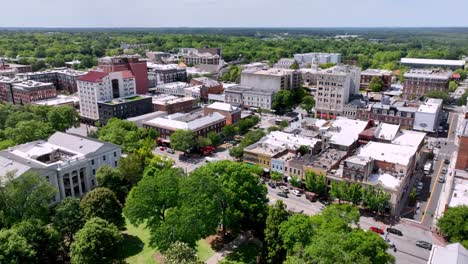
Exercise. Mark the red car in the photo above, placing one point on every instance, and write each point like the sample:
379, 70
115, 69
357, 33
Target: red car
161, 148
376, 230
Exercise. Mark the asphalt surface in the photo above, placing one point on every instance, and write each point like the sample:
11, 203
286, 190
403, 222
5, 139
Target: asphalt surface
407, 252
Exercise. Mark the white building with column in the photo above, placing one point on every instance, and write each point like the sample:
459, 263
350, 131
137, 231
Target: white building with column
69, 162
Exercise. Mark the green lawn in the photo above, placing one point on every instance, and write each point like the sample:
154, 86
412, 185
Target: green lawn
137, 249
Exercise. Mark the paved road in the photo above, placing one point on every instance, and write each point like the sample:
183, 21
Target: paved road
445, 152
407, 251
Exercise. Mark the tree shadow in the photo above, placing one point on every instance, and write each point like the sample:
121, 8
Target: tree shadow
132, 245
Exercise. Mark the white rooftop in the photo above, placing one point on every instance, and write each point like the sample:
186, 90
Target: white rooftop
430, 74
454, 253
386, 131
391, 153
223, 107
171, 123
345, 131
409, 138
459, 63
174, 85
59, 100
376, 72
460, 193
169, 99
385, 179
290, 141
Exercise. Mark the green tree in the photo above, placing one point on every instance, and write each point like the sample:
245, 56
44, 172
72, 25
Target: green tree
354, 193
296, 233
283, 124
98, 241
463, 73
326, 65
183, 140
315, 183
25, 197
283, 101
112, 179
63, 117
273, 128
338, 190
412, 197
229, 131
181, 253
303, 150
27, 131
44, 240
453, 224
308, 103
15, 249
462, 100
155, 194
276, 176
453, 85
277, 214
294, 66
102, 203
68, 219
376, 84
439, 95
214, 137
295, 181
204, 142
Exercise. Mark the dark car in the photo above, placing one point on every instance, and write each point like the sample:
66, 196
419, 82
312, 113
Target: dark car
446, 161
394, 231
283, 194
424, 244
324, 202
272, 185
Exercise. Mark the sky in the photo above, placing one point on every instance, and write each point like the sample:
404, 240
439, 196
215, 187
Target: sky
234, 13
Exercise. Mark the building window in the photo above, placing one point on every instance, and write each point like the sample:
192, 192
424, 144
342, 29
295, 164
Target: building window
104, 157
92, 162
94, 172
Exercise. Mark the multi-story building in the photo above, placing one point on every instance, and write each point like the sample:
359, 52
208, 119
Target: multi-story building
157, 56
249, 97
69, 162
332, 93
207, 86
18, 67
124, 107
174, 88
273, 79
200, 124
343, 133
19, 91
427, 116
130, 63
99, 86
418, 82
161, 74
255, 66
284, 63
398, 113
369, 74
193, 56
431, 63
317, 58
230, 112
173, 104
64, 79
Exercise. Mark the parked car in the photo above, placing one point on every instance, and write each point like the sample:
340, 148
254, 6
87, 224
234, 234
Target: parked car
424, 244
272, 185
311, 196
441, 179
444, 170
446, 161
161, 148
296, 192
394, 231
171, 151
284, 189
419, 185
389, 242
376, 230
283, 194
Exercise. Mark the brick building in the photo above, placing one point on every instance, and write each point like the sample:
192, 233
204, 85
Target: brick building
369, 74
63, 79
230, 112
418, 82
173, 104
398, 113
30, 91
160, 74
462, 159
133, 64
208, 86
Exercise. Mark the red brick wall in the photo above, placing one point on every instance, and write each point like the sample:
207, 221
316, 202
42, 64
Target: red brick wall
462, 159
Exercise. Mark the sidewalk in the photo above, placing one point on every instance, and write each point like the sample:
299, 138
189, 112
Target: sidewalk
229, 248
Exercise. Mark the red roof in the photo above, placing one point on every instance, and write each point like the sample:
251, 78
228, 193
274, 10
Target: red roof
127, 74
93, 76
456, 75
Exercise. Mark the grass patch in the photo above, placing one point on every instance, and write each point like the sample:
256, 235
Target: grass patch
146, 253
204, 250
137, 250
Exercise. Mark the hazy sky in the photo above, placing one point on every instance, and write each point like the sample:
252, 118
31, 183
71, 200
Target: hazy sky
233, 13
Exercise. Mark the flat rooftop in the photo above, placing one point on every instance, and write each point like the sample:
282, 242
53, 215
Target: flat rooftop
386, 131
170, 99
460, 193
223, 107
430, 74
385, 179
429, 62
390, 153
185, 121
174, 85
345, 132
409, 138
59, 100
270, 72
324, 160
376, 72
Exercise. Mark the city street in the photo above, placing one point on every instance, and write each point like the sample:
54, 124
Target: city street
432, 187
407, 251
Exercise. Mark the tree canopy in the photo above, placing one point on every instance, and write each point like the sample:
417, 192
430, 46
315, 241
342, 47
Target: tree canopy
376, 84
183, 140
453, 224
102, 202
